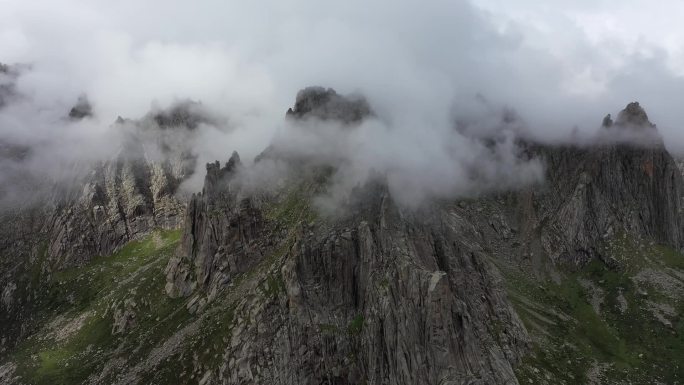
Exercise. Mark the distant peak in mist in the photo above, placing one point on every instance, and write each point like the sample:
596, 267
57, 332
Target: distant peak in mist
327, 104
632, 126
186, 113
634, 115
8, 78
82, 109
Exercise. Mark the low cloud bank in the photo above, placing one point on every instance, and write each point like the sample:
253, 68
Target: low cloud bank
452, 85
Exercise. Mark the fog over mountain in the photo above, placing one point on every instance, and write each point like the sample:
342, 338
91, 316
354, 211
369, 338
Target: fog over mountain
422, 66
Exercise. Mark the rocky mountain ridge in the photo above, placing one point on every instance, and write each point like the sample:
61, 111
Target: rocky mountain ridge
542, 285
93, 214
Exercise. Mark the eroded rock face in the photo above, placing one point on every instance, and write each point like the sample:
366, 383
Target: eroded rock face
626, 183
412, 295
408, 297
593, 194
223, 235
69, 222
121, 200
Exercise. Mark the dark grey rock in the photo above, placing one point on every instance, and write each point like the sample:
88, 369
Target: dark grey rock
82, 109
326, 104
634, 116
187, 114
607, 121
8, 78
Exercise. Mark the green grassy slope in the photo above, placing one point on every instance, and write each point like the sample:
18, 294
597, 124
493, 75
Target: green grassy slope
76, 335
599, 325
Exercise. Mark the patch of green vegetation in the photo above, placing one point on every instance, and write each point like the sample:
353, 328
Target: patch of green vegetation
497, 330
274, 285
37, 265
356, 325
133, 279
204, 351
328, 329
76, 335
624, 335
207, 347
294, 207
626, 310
563, 313
669, 257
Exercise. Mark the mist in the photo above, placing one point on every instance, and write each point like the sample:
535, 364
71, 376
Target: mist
423, 66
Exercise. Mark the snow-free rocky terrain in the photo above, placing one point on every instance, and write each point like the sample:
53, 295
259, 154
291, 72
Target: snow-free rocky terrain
118, 279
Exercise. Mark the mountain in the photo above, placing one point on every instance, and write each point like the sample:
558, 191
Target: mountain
578, 279
8, 77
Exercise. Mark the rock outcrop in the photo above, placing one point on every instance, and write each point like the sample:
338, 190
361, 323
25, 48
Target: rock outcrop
121, 200
223, 235
8, 77
634, 116
67, 223
128, 196
82, 109
621, 187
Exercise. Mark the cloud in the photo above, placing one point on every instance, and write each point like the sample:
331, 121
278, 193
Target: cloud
422, 66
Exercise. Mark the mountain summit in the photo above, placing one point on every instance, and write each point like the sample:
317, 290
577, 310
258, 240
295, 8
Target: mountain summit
327, 104
634, 116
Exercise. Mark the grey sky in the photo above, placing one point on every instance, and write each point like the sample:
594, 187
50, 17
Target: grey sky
528, 54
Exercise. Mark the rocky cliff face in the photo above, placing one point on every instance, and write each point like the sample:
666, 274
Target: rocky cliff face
550, 284
594, 193
223, 235
123, 198
69, 222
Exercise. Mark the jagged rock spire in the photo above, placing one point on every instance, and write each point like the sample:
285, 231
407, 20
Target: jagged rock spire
217, 176
633, 116
607, 122
632, 126
233, 162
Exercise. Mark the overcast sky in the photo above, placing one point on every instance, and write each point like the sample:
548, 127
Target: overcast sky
559, 64
540, 57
